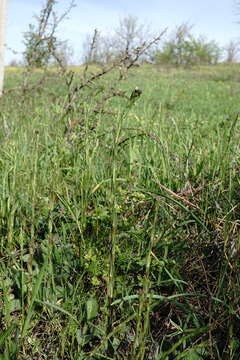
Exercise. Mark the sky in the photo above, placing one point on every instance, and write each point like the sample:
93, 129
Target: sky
215, 19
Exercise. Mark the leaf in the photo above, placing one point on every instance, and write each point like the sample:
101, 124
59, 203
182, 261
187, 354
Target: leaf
34, 295
6, 333
193, 356
194, 353
58, 308
91, 308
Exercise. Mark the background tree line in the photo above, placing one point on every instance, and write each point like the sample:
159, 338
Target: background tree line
179, 47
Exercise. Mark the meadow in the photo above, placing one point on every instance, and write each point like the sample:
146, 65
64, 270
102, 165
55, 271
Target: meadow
119, 229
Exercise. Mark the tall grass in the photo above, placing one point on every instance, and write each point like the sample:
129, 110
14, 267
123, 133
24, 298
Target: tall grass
120, 240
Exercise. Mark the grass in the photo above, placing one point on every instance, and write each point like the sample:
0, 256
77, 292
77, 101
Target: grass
121, 240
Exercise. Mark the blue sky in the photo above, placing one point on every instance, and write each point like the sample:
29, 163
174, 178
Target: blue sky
216, 19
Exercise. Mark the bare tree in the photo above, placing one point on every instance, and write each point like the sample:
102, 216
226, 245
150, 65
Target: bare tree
129, 34
232, 51
3, 14
108, 49
91, 48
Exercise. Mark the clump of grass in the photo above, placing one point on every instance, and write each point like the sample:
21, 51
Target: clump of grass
119, 239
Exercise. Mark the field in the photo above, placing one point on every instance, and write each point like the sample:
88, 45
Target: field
120, 228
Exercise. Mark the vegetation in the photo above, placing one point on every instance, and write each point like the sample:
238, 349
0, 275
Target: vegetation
119, 201
232, 51
183, 49
42, 47
127, 36
120, 225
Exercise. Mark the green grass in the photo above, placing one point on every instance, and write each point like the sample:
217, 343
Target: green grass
120, 238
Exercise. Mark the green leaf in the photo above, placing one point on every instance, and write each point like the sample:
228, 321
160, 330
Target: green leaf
33, 298
58, 308
91, 308
4, 335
